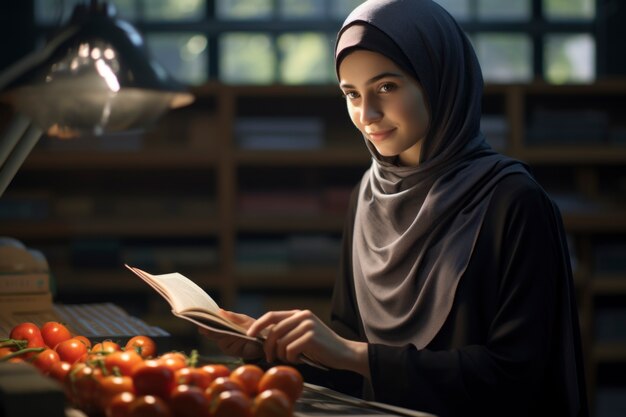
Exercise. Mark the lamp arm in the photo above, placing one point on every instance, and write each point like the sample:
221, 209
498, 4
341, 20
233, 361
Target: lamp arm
17, 141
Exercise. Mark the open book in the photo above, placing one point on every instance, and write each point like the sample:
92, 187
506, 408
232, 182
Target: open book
190, 302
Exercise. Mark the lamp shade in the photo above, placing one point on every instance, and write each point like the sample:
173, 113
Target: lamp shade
94, 76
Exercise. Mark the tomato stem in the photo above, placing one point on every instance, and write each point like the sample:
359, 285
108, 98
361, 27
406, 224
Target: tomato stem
20, 353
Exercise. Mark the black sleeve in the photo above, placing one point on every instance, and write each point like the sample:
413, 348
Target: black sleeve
503, 375
344, 320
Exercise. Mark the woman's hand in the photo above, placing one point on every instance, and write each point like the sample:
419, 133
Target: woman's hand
293, 334
233, 345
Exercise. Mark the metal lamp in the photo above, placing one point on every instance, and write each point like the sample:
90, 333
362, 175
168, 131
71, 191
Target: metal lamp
95, 76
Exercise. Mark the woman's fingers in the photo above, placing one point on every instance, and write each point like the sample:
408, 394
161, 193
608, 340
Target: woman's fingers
268, 319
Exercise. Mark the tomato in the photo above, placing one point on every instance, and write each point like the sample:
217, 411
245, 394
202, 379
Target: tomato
173, 360
272, 403
4, 351
54, 333
30, 333
111, 385
188, 401
149, 406
150, 377
143, 345
119, 406
106, 346
59, 370
285, 378
84, 387
122, 362
220, 385
232, 404
71, 350
193, 376
84, 340
216, 370
248, 376
45, 359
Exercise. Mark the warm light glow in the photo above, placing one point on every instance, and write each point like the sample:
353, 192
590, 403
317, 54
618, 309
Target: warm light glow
109, 77
109, 53
96, 53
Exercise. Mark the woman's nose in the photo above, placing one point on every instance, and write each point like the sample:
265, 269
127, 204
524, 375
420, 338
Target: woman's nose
370, 112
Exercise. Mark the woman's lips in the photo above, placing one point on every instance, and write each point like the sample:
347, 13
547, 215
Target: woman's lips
380, 135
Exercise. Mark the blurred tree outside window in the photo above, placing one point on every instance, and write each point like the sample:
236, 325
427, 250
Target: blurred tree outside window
292, 41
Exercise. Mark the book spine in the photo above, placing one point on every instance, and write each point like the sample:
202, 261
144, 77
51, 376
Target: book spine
22, 303
24, 283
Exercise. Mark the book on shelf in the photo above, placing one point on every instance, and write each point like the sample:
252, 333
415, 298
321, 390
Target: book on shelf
22, 303
24, 283
190, 302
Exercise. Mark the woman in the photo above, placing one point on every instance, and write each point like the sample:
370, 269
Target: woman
455, 295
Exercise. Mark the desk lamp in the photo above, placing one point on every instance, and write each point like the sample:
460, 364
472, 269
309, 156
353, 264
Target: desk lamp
94, 76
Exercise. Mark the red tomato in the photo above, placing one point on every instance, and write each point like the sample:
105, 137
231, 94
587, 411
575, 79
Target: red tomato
71, 350
30, 333
119, 406
84, 340
272, 403
106, 346
45, 359
216, 370
248, 376
59, 370
193, 376
143, 345
150, 377
232, 404
173, 360
4, 351
84, 387
111, 385
188, 401
220, 385
285, 378
149, 406
54, 333
122, 362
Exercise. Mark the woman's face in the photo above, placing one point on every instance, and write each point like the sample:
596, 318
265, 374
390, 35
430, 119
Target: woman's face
385, 104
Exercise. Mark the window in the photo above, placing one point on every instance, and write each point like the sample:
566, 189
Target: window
291, 41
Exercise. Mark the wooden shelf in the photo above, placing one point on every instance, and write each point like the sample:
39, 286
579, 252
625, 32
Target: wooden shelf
136, 160
608, 285
613, 222
294, 279
322, 223
83, 280
572, 154
319, 157
141, 227
609, 352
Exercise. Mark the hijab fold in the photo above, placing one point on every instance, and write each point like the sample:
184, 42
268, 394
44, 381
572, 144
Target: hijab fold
416, 227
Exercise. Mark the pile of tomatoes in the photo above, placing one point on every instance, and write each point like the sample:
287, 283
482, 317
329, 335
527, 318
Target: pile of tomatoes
131, 380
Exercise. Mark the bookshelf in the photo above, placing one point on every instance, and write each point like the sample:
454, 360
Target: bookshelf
191, 169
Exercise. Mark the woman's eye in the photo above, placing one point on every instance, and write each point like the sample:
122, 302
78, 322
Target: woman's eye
351, 95
387, 87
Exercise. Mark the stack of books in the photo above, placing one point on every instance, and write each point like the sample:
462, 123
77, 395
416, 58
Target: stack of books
25, 283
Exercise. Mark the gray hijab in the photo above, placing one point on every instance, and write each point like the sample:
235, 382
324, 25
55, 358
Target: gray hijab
416, 227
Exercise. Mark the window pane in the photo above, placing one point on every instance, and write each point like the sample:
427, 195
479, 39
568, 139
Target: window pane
305, 58
457, 8
243, 9
184, 55
569, 58
569, 9
246, 58
302, 9
57, 12
340, 9
504, 9
504, 57
173, 9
